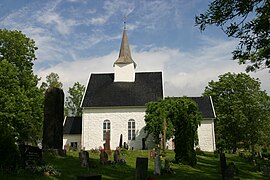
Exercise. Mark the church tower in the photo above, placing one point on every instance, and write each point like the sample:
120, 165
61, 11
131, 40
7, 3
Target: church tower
124, 66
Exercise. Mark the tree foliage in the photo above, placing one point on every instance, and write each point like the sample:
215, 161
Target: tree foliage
21, 102
52, 80
246, 20
242, 109
73, 101
182, 120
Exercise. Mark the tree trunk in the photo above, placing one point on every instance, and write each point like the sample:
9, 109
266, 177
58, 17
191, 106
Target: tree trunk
164, 134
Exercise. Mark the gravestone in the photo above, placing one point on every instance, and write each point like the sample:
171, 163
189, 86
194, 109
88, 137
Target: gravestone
121, 141
167, 166
103, 157
143, 144
53, 119
84, 158
223, 164
125, 145
30, 155
116, 155
141, 168
157, 164
107, 146
89, 177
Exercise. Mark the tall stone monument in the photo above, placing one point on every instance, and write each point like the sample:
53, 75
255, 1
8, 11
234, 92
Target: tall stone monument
53, 119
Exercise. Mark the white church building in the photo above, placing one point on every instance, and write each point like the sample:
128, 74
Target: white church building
116, 102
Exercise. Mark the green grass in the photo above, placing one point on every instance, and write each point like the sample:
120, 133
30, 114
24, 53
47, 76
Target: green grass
206, 168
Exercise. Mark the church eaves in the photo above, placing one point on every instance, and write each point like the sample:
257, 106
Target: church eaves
124, 54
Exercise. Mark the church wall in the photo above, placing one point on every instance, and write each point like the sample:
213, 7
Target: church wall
124, 73
206, 135
68, 138
92, 131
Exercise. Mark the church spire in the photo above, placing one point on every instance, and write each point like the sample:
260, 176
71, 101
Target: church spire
124, 54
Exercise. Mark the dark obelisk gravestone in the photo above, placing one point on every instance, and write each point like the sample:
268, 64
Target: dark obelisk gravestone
53, 119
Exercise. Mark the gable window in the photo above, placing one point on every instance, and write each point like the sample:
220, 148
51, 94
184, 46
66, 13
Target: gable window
131, 129
106, 128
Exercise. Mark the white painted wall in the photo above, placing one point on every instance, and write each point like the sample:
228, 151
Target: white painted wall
124, 73
206, 135
92, 129
68, 138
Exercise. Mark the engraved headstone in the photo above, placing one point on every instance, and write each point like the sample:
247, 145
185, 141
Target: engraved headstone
30, 155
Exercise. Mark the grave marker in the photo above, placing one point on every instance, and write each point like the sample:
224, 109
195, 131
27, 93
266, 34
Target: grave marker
30, 155
141, 168
53, 119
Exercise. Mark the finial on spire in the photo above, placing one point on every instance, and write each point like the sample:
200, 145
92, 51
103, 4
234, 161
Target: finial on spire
125, 22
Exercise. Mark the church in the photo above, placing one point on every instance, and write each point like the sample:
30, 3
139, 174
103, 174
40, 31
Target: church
116, 103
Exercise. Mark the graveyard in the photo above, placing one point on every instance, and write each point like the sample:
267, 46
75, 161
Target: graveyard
68, 167
126, 124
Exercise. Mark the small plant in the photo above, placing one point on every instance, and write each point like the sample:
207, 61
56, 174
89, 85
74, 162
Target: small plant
94, 150
47, 170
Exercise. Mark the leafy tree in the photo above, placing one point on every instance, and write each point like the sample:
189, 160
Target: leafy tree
73, 101
21, 102
246, 20
182, 118
52, 80
242, 109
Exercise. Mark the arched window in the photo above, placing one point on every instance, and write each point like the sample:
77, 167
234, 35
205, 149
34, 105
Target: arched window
131, 129
106, 128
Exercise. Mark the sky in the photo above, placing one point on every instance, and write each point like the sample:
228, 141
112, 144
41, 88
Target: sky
78, 37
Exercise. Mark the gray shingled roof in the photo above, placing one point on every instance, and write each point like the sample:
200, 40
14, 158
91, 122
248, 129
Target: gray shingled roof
102, 91
205, 106
73, 125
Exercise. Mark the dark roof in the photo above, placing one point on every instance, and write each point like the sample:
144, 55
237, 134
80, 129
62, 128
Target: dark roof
205, 106
102, 91
73, 125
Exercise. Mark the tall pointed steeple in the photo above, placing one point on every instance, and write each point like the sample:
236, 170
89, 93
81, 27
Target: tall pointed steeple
124, 66
124, 54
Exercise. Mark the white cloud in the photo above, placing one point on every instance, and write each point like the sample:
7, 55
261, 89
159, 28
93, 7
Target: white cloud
53, 19
184, 73
99, 20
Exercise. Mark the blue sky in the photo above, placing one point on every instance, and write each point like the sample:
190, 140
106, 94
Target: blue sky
79, 37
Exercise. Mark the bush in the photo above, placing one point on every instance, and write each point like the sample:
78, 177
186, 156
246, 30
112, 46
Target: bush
10, 155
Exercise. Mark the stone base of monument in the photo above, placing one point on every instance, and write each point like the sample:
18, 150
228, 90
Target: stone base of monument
89, 177
56, 152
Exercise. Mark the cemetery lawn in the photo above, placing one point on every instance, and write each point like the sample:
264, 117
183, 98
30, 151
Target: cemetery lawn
206, 168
